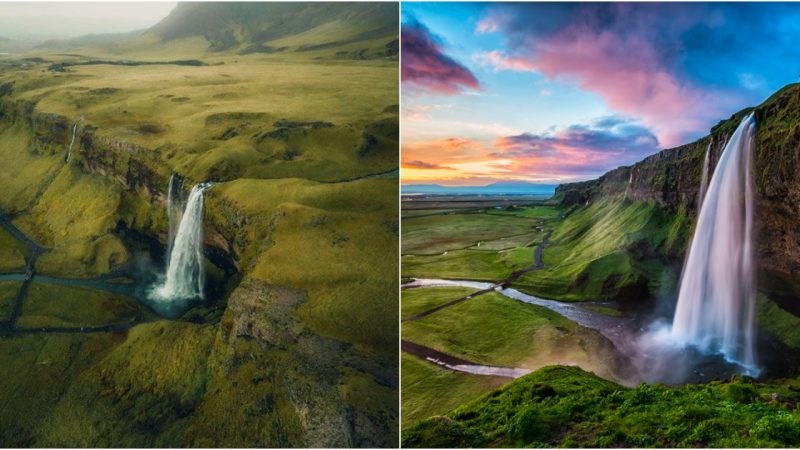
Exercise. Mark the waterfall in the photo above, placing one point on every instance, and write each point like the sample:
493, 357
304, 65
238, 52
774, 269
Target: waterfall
184, 278
715, 311
175, 203
701, 194
72, 142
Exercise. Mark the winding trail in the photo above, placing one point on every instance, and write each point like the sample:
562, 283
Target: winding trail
483, 286
613, 328
100, 283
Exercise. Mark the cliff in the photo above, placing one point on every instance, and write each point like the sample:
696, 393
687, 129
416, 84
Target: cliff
671, 179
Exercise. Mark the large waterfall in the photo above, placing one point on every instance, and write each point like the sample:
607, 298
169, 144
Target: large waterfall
715, 311
184, 278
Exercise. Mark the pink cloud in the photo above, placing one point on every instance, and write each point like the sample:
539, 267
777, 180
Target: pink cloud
426, 66
621, 62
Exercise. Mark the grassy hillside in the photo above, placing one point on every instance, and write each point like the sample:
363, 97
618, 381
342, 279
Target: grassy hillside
567, 407
611, 249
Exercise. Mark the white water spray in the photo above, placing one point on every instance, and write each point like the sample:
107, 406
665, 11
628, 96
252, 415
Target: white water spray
715, 311
185, 277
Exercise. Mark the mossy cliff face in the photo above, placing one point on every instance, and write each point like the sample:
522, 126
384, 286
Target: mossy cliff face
671, 179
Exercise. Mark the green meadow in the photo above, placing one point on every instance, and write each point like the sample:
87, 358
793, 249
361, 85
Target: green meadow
299, 346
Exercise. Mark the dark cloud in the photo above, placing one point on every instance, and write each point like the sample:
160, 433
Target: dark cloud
426, 66
678, 67
610, 140
423, 165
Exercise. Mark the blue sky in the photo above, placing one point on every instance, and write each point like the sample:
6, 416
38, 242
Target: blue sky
536, 91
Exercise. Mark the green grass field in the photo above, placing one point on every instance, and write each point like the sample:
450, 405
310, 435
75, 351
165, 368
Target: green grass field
495, 330
415, 301
8, 295
486, 246
74, 307
430, 390
436, 234
13, 253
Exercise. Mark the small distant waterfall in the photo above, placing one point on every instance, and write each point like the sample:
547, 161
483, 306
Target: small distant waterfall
175, 203
184, 278
701, 194
72, 142
716, 301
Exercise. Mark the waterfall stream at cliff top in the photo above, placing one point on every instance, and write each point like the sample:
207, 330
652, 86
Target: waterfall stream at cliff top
184, 274
704, 180
71, 142
715, 310
175, 205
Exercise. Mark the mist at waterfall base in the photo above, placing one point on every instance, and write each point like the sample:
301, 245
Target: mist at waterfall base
183, 280
712, 332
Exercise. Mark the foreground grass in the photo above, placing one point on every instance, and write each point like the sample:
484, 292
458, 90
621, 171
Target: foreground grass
567, 407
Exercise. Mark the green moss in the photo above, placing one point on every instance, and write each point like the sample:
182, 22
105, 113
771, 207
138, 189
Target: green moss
782, 325
8, 296
75, 307
139, 394
13, 253
565, 406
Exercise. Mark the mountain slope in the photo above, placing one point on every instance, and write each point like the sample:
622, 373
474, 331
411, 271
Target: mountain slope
272, 27
671, 179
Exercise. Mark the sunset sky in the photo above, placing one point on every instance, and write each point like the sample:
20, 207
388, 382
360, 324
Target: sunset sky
549, 92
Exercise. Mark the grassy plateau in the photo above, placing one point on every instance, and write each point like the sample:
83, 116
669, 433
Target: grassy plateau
291, 110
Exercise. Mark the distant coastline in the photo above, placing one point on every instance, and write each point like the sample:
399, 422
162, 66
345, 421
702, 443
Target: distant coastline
491, 189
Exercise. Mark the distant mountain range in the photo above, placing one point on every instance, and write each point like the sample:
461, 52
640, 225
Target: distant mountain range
347, 30
513, 188
267, 27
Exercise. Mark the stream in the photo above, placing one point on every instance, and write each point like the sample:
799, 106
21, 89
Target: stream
634, 338
613, 328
